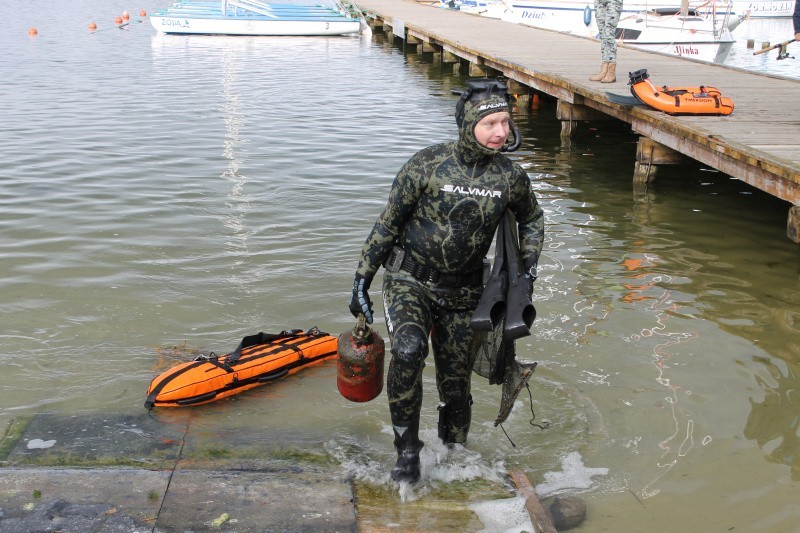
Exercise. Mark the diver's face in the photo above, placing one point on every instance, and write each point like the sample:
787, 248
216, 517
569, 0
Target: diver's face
492, 130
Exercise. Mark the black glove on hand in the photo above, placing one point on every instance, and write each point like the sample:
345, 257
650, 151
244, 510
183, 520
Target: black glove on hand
360, 302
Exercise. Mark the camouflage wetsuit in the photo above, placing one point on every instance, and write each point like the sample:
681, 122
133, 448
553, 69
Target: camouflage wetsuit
607, 14
444, 207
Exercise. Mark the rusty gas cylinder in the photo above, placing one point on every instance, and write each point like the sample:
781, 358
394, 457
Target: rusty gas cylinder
360, 368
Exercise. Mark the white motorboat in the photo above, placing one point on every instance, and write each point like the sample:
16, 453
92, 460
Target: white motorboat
578, 16
255, 17
687, 33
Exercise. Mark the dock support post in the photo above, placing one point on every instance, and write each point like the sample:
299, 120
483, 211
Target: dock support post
476, 70
649, 155
793, 224
412, 44
569, 114
521, 92
434, 49
449, 57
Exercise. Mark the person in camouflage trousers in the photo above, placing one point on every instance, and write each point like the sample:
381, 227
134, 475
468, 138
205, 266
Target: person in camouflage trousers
438, 225
607, 13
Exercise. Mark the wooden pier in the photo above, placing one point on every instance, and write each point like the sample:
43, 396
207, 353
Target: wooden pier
758, 144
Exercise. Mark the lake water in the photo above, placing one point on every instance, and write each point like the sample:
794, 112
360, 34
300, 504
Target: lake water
166, 191
765, 30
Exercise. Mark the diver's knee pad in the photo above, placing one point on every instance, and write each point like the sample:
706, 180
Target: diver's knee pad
409, 345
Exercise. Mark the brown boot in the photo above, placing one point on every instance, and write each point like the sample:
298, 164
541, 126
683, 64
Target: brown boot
611, 74
600, 75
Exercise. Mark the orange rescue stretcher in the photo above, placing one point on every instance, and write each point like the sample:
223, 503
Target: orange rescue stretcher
258, 359
702, 100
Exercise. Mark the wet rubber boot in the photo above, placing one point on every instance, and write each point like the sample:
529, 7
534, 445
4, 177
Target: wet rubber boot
611, 74
602, 74
454, 422
408, 445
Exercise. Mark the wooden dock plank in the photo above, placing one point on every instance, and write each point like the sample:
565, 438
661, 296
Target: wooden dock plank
759, 143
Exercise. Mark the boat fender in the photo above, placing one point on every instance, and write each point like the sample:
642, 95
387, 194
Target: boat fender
587, 15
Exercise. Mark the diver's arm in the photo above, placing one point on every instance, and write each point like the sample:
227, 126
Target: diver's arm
530, 221
403, 196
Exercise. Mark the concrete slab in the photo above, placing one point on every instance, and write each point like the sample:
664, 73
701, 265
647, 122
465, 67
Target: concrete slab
444, 509
289, 499
47, 499
98, 440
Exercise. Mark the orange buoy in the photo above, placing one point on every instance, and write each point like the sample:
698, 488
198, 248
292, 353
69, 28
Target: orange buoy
33, 31
142, 13
125, 15
92, 26
118, 21
359, 375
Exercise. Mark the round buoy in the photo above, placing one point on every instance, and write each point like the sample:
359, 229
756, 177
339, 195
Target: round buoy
33, 31
92, 26
118, 21
125, 15
142, 13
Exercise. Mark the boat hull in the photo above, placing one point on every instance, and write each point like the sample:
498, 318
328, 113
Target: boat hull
578, 16
710, 52
251, 26
699, 37
764, 8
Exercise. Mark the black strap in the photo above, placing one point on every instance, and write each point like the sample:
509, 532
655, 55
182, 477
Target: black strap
266, 338
151, 398
428, 274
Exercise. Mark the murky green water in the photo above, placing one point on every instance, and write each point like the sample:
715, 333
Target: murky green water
161, 191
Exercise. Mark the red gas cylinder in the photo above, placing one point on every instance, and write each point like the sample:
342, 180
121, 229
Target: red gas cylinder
360, 366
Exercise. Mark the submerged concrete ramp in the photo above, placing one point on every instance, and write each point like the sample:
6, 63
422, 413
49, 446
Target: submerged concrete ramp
136, 473
120, 472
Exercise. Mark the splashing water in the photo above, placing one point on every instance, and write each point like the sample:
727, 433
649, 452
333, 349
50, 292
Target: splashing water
573, 475
503, 516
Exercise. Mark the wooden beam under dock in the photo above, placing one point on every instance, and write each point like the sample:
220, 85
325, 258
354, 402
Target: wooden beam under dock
758, 144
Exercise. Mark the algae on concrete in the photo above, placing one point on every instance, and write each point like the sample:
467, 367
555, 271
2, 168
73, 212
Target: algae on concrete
13, 434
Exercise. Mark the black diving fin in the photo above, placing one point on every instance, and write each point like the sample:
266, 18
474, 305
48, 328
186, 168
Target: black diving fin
520, 312
491, 308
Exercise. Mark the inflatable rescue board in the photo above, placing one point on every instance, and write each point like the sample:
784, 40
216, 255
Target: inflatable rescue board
702, 100
258, 359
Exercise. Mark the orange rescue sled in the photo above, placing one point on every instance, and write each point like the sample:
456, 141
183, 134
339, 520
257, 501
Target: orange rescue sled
258, 359
702, 100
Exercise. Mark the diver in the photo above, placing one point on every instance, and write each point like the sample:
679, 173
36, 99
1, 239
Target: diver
432, 237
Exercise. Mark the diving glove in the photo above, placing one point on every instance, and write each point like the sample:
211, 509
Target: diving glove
360, 302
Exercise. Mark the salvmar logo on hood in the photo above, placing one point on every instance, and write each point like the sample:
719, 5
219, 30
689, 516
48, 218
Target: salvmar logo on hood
471, 191
495, 105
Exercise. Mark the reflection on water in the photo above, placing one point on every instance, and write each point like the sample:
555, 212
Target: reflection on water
204, 189
774, 422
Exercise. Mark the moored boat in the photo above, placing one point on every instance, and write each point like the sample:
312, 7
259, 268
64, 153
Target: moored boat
764, 8
578, 16
255, 17
687, 33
